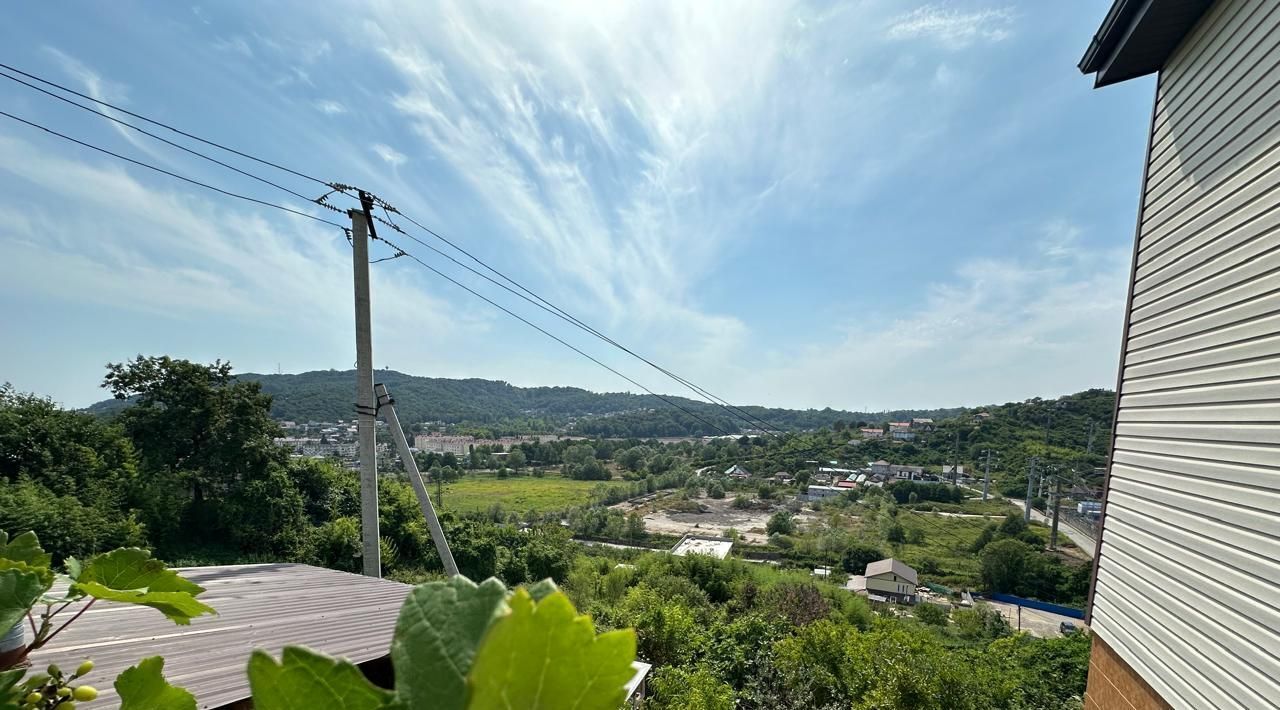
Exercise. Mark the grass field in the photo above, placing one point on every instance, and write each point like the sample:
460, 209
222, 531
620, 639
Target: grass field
516, 495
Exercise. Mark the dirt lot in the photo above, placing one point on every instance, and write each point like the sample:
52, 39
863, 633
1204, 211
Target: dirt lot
717, 517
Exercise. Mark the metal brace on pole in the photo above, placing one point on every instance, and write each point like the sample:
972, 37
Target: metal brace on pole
387, 406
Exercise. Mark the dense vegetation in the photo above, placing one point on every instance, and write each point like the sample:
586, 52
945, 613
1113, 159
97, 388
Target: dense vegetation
190, 470
501, 408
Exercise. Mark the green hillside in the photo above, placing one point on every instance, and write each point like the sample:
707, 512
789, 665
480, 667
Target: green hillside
327, 395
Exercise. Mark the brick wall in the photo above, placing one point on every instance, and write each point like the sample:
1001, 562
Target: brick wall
1113, 685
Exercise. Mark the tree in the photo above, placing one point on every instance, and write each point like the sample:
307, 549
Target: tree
677, 688
715, 490
857, 556
781, 523
893, 531
930, 614
635, 526
200, 430
516, 458
1013, 525
579, 454
1003, 564
632, 459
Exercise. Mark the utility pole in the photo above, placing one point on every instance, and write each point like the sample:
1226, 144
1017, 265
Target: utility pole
1031, 477
388, 405
1057, 499
986, 478
955, 461
366, 405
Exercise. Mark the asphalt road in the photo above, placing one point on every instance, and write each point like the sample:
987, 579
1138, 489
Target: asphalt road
1076, 535
1034, 622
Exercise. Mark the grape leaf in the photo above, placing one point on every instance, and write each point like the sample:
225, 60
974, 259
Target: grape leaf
73, 568
544, 656
541, 590
44, 573
304, 680
19, 589
129, 575
440, 626
143, 687
24, 548
179, 607
133, 568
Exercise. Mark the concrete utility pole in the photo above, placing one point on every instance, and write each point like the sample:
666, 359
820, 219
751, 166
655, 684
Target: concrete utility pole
986, 478
1057, 500
388, 405
366, 405
1031, 477
955, 461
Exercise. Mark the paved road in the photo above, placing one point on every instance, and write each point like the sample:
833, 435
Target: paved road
1035, 622
1076, 535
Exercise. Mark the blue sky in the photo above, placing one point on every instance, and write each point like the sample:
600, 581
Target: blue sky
868, 204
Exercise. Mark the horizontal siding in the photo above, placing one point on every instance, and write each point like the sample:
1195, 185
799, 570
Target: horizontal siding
1188, 579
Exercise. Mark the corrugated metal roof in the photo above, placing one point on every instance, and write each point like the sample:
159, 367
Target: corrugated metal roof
265, 606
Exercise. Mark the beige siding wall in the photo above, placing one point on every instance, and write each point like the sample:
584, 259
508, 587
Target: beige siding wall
1188, 587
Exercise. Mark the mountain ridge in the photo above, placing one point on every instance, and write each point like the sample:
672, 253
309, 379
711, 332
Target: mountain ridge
328, 395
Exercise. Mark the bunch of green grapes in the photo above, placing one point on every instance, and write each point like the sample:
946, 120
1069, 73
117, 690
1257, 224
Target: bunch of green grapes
54, 690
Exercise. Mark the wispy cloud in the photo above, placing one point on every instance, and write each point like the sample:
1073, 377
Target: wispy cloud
953, 28
330, 107
393, 157
235, 44
1008, 327
628, 166
102, 90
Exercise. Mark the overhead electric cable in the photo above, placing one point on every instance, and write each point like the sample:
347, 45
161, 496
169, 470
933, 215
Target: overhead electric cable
162, 171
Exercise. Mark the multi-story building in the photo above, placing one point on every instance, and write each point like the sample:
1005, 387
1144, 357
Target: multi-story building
442, 444
1185, 597
872, 433
901, 431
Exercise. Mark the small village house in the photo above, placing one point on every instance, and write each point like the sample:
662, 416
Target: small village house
886, 580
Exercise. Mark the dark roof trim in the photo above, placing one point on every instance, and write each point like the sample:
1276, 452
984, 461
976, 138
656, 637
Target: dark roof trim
1137, 37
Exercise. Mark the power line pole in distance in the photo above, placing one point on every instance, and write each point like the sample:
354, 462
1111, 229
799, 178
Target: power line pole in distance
366, 405
1031, 477
1057, 504
986, 478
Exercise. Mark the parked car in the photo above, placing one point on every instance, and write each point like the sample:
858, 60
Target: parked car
1067, 628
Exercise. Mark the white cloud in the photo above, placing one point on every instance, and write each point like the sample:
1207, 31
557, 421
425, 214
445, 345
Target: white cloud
952, 28
998, 329
330, 107
171, 255
393, 157
627, 147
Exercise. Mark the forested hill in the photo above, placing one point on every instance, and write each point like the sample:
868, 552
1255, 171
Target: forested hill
327, 395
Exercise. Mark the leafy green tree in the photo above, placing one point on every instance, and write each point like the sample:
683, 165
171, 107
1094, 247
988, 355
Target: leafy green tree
1012, 526
715, 490
858, 555
676, 688
516, 459
930, 614
1003, 564
780, 523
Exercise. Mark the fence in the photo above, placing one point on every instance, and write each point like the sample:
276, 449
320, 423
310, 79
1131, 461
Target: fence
1039, 605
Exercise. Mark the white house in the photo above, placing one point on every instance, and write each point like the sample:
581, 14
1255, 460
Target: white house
886, 580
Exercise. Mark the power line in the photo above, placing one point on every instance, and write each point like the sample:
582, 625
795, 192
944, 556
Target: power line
545, 332
166, 141
560, 313
541, 302
162, 171
167, 126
